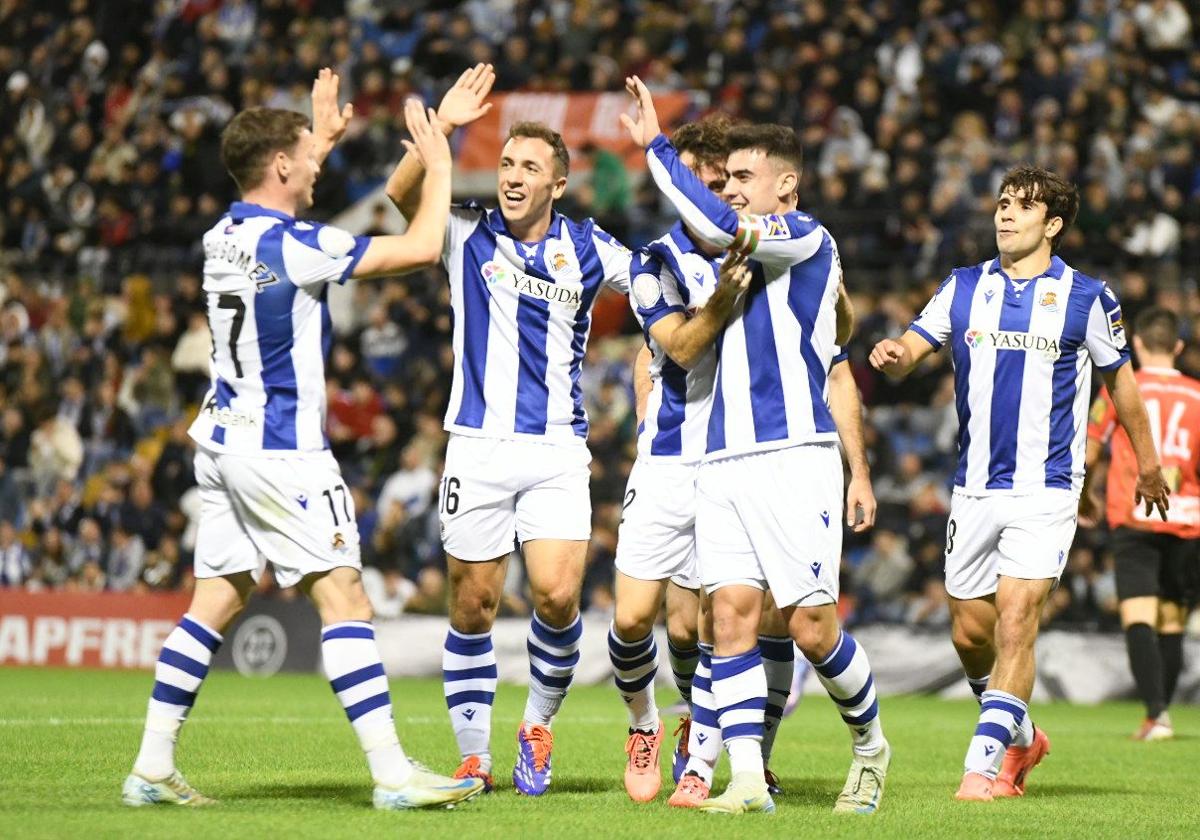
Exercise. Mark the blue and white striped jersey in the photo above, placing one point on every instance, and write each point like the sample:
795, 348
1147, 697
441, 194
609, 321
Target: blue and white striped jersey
265, 280
522, 313
1022, 379
672, 274
774, 354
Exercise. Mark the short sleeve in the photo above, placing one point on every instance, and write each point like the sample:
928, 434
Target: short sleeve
840, 354
1105, 337
1102, 419
933, 324
614, 258
654, 291
463, 220
315, 253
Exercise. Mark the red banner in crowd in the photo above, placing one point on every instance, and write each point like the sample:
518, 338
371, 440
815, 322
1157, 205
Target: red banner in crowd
97, 630
581, 118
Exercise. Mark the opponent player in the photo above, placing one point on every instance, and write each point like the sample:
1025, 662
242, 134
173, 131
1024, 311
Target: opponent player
523, 280
1157, 567
269, 486
1024, 330
769, 424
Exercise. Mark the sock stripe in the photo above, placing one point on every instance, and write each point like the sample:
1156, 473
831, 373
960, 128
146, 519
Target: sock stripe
637, 684
630, 664
777, 648
741, 730
352, 679
184, 663
773, 711
869, 715
482, 672
986, 729
357, 710
564, 637
629, 648
569, 660
463, 697
726, 667
851, 702
468, 646
839, 660
173, 695
683, 653
548, 681
991, 704
751, 703
200, 634
347, 631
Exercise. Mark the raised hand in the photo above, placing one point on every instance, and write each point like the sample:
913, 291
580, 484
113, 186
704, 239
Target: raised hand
886, 354
463, 103
428, 142
329, 124
645, 128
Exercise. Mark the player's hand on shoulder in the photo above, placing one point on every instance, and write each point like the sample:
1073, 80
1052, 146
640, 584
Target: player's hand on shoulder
329, 123
645, 128
428, 142
886, 353
1152, 491
463, 103
734, 276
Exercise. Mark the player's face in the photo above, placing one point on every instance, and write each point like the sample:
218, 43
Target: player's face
756, 184
303, 170
1021, 224
711, 176
528, 184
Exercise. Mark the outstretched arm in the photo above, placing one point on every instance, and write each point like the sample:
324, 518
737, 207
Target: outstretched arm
898, 357
461, 105
1131, 412
686, 340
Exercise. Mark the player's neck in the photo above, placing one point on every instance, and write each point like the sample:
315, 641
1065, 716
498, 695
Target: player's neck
532, 230
271, 199
1155, 361
1026, 266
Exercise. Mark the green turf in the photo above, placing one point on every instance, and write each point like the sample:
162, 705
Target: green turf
282, 759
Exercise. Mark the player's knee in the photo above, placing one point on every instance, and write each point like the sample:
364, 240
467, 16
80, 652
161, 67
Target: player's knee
473, 609
969, 637
629, 626
682, 633
557, 607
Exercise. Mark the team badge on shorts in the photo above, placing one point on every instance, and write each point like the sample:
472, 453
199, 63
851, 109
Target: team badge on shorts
339, 542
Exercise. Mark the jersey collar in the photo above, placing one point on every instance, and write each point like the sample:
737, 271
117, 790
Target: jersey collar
1161, 371
1056, 269
496, 224
239, 211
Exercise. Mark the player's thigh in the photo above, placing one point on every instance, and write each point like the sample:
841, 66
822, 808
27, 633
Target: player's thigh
656, 539
972, 546
1036, 535
973, 621
554, 501
723, 549
298, 512
477, 498
223, 545
1138, 563
795, 526
637, 605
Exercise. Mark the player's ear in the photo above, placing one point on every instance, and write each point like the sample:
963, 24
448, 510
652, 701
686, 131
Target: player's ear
787, 183
1178, 347
560, 187
282, 164
1053, 226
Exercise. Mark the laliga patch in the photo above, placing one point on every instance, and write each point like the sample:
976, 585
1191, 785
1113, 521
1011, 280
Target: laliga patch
494, 272
775, 227
647, 290
1116, 328
335, 242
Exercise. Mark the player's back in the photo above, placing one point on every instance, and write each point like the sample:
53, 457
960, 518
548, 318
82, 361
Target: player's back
1173, 406
774, 354
673, 274
265, 277
522, 315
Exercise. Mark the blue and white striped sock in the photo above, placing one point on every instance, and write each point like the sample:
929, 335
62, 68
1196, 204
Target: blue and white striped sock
739, 686
180, 671
1000, 715
846, 675
469, 682
779, 663
635, 665
553, 655
355, 673
704, 741
683, 667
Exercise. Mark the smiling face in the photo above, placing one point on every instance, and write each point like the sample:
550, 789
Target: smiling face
1022, 224
528, 181
756, 183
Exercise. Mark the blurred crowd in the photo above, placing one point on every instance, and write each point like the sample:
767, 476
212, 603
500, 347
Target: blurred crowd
909, 113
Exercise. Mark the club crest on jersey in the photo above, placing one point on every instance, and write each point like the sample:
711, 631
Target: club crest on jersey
1012, 340
558, 261
1049, 302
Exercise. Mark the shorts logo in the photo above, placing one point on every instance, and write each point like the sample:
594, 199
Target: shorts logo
825, 517
816, 569
302, 501
1013, 340
1049, 302
339, 542
1061, 555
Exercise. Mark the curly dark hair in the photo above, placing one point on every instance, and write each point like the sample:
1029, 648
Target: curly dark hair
706, 139
1060, 196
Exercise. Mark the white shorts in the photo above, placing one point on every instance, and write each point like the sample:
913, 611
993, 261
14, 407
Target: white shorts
1026, 536
496, 491
295, 513
657, 537
773, 520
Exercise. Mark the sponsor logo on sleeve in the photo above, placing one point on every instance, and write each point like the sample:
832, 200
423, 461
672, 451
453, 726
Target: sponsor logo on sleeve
334, 241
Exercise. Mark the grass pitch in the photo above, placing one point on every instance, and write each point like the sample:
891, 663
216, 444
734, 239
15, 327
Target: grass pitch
280, 756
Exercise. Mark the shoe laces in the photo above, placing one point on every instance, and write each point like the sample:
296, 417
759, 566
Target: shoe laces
470, 768
683, 732
639, 749
540, 741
